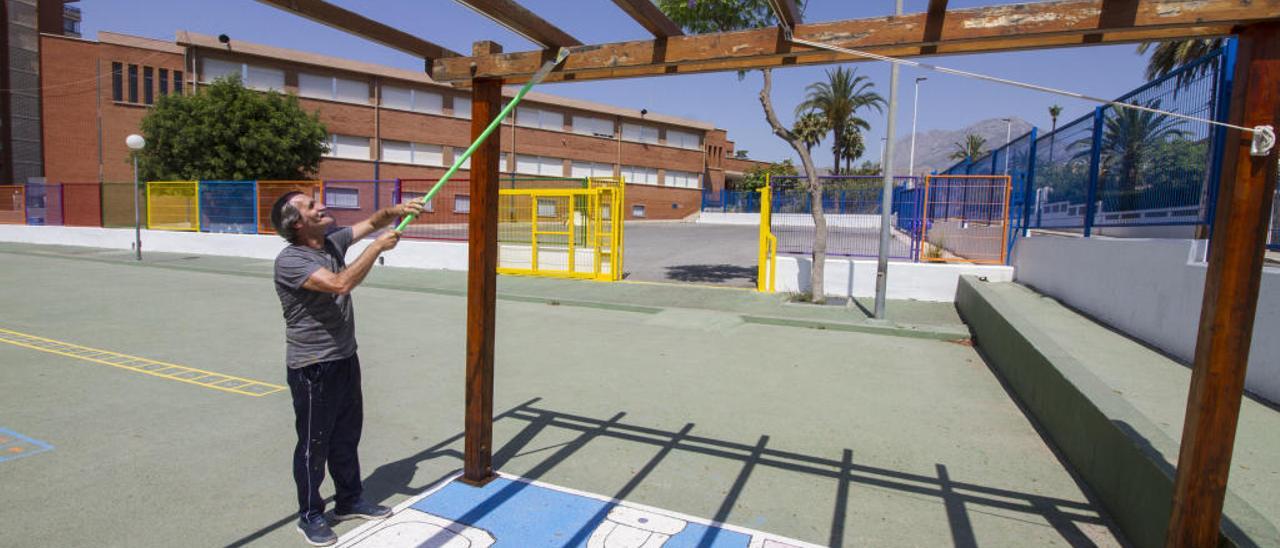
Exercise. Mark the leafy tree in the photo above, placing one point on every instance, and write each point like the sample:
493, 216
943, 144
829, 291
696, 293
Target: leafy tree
853, 146
868, 168
1168, 56
970, 149
754, 178
838, 100
1054, 111
226, 131
811, 128
1129, 136
730, 15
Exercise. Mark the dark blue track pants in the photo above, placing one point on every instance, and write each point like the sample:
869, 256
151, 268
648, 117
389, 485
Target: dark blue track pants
329, 414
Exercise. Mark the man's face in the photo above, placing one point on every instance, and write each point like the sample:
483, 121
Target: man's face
315, 218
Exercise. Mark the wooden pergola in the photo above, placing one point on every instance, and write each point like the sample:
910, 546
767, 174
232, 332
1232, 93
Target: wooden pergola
1243, 208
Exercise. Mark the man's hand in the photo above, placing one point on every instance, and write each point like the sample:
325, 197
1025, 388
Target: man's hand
387, 240
413, 207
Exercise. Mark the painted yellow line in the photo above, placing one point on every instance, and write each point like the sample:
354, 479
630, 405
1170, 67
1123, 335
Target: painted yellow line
164, 370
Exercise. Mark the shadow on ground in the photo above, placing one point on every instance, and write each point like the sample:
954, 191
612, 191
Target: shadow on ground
710, 273
960, 499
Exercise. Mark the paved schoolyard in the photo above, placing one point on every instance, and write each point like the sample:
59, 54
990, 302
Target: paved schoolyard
823, 435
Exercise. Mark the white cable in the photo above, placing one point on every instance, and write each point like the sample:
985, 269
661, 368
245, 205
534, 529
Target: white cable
1016, 83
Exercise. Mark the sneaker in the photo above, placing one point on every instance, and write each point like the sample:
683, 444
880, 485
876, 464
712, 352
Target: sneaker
317, 532
361, 510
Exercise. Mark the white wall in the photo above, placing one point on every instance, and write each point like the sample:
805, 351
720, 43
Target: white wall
409, 253
919, 281
847, 220
1150, 289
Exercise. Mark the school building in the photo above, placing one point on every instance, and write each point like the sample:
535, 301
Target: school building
384, 123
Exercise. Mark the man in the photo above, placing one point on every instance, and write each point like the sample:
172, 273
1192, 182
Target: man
314, 284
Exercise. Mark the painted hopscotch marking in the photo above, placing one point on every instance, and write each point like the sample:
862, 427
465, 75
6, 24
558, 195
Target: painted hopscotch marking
164, 370
515, 511
15, 446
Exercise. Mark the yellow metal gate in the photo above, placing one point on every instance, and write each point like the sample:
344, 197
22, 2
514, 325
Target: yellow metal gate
562, 233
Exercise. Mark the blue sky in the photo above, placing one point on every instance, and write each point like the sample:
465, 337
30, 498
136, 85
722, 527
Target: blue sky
946, 102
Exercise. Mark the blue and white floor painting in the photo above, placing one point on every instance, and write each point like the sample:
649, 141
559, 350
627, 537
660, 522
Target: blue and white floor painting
513, 511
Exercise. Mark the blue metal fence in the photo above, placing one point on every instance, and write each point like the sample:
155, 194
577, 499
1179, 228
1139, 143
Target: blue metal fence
851, 205
229, 206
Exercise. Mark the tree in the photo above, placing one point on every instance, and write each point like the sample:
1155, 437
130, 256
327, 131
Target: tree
754, 178
838, 100
226, 131
867, 168
811, 128
970, 149
740, 154
854, 147
1129, 138
730, 15
1168, 56
1054, 111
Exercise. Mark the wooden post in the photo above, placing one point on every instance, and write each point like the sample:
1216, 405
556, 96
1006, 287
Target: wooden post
482, 277
1230, 296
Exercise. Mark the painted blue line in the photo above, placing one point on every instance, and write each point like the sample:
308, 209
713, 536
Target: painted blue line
16, 440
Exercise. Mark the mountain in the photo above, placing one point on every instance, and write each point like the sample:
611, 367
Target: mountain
934, 148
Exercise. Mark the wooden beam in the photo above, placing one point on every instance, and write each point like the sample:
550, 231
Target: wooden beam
1230, 296
333, 16
786, 11
933, 25
1116, 14
482, 279
523, 22
650, 17
986, 29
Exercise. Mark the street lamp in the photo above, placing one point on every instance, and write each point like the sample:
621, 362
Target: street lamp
135, 143
915, 106
1008, 132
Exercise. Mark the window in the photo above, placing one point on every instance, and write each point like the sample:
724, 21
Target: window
342, 198
348, 146
546, 207
590, 169
133, 83
462, 203
539, 165
640, 175
539, 118
117, 82
407, 197
637, 211
164, 81
681, 179
462, 107
263, 78
589, 125
351, 91
177, 82
332, 88
412, 153
417, 100
684, 139
217, 68
639, 133
148, 77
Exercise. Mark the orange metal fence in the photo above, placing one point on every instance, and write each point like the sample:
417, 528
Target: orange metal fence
13, 205
966, 218
270, 191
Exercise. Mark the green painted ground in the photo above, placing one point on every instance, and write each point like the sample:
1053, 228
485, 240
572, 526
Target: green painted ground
676, 397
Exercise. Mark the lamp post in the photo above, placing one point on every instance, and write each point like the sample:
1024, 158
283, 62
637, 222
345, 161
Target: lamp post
1008, 132
915, 107
135, 143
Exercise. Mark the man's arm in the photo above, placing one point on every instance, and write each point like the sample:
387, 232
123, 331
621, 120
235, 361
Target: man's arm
384, 217
326, 281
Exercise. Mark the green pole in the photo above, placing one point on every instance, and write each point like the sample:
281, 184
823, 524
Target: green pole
457, 162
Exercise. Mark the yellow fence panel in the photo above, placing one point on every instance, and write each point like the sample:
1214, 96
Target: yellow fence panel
173, 205
561, 232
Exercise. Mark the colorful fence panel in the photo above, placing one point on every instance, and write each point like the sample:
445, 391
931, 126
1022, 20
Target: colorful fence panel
228, 206
561, 232
352, 201
270, 191
118, 204
44, 204
445, 215
173, 205
965, 218
851, 205
13, 204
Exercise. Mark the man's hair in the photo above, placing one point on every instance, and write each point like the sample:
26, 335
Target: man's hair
284, 215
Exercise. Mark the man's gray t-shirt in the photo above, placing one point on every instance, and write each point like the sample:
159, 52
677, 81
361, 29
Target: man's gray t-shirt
319, 326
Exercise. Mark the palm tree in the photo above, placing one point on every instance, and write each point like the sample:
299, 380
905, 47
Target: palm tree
1128, 138
1168, 56
838, 100
1054, 111
854, 146
971, 148
811, 128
